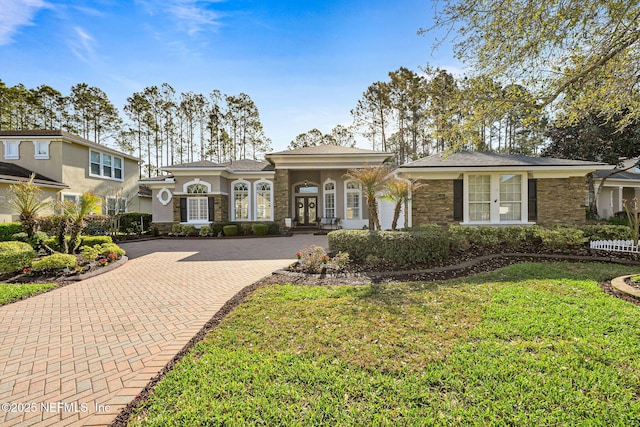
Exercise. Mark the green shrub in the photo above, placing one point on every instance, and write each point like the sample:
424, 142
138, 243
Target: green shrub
110, 248
274, 228
606, 232
217, 227
133, 222
260, 229
245, 228
205, 230
95, 240
230, 230
8, 229
560, 238
15, 256
177, 229
89, 253
20, 237
189, 230
55, 262
97, 225
422, 245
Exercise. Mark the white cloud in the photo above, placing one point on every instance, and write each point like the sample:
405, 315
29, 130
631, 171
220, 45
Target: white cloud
191, 16
15, 14
82, 45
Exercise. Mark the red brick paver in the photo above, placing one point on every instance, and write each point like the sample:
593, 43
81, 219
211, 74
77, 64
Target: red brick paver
77, 355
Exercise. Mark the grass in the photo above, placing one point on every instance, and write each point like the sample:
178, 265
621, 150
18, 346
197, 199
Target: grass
530, 344
12, 292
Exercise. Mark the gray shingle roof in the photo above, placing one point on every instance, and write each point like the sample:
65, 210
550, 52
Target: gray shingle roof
12, 170
624, 175
245, 165
488, 159
327, 149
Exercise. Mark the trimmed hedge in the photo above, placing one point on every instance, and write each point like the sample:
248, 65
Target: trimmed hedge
55, 262
260, 229
15, 256
230, 230
8, 229
95, 240
134, 221
427, 244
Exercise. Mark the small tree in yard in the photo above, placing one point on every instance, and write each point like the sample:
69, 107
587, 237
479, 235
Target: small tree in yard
398, 190
632, 215
372, 180
73, 215
25, 198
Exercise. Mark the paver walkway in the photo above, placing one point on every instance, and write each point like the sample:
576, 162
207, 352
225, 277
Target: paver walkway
79, 354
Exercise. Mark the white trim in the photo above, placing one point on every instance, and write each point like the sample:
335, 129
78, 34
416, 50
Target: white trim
206, 204
117, 211
494, 199
346, 193
326, 192
233, 199
271, 207
186, 185
164, 196
11, 156
101, 164
37, 144
66, 193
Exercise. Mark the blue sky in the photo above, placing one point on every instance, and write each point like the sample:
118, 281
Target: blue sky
304, 63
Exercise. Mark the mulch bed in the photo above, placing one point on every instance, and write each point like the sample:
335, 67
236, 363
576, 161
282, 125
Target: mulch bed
354, 278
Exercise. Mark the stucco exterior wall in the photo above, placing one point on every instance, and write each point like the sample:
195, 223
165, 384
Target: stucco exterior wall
7, 213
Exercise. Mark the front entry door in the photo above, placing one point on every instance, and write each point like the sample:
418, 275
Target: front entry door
306, 209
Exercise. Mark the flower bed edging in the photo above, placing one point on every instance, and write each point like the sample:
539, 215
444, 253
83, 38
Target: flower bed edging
620, 284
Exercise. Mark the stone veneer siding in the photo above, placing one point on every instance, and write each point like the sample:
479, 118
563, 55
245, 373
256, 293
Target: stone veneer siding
220, 207
281, 196
432, 202
561, 201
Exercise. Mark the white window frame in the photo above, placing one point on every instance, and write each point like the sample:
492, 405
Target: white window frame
41, 150
349, 191
256, 187
15, 153
494, 199
186, 185
76, 197
197, 219
102, 164
330, 192
233, 200
117, 206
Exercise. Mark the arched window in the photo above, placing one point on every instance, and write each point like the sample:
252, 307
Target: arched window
353, 200
330, 199
241, 201
264, 204
197, 189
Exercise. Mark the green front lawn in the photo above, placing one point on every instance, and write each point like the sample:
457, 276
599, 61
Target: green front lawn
530, 344
12, 292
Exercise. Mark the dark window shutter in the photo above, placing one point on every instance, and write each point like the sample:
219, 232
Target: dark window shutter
457, 200
211, 202
532, 200
183, 209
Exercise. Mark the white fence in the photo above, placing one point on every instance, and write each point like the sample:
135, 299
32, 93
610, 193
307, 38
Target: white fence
615, 246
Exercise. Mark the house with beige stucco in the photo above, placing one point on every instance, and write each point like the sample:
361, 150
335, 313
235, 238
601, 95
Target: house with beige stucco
66, 166
301, 187
294, 187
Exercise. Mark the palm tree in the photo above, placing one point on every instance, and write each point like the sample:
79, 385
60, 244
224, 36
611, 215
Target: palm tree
74, 213
398, 190
24, 197
372, 180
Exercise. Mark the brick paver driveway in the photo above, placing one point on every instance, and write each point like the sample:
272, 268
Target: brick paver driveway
79, 354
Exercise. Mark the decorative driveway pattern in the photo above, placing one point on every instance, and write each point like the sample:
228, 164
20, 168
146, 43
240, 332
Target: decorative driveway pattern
79, 354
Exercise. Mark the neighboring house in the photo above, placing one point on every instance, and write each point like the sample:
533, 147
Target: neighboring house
624, 185
302, 185
481, 188
67, 166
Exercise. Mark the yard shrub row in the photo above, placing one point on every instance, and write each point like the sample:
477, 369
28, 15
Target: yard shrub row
427, 244
8, 229
433, 243
15, 256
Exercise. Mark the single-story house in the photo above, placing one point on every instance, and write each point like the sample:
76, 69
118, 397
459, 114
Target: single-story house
483, 188
304, 185
623, 185
299, 187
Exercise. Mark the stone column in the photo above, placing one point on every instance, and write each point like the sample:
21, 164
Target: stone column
281, 196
